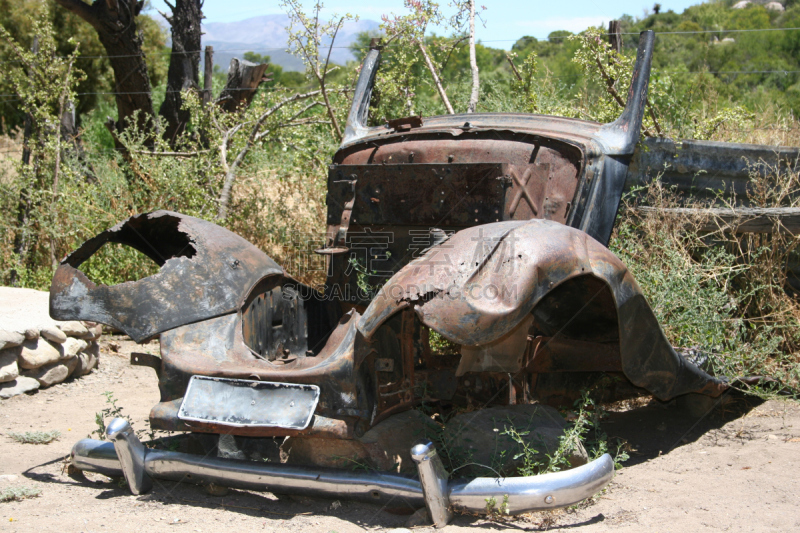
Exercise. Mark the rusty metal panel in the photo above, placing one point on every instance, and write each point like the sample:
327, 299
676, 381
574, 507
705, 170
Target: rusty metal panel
561, 354
422, 194
703, 169
248, 403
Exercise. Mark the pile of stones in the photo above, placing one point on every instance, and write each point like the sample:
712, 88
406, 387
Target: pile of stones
37, 351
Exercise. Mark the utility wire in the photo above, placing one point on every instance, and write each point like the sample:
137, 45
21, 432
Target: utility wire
13, 97
323, 49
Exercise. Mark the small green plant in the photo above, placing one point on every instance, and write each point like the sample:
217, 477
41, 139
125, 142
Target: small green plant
12, 494
112, 410
531, 464
585, 430
491, 503
504, 505
35, 437
366, 290
493, 511
594, 439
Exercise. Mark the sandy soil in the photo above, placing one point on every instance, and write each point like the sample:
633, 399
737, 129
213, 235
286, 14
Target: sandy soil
732, 469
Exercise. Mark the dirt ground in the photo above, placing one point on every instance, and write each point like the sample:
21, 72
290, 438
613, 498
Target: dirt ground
734, 468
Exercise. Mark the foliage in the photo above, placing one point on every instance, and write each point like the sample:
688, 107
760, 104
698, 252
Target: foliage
524, 87
20, 17
440, 345
44, 82
585, 430
723, 296
17, 493
308, 37
112, 410
35, 437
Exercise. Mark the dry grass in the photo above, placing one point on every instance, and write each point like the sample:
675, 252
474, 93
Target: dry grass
287, 223
722, 293
771, 126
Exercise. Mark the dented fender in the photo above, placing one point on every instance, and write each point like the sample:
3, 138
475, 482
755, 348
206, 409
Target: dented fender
484, 281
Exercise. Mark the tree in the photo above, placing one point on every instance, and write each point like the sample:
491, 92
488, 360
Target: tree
44, 82
184, 64
115, 23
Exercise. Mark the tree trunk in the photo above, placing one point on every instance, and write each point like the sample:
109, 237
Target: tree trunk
244, 78
115, 23
473, 63
184, 64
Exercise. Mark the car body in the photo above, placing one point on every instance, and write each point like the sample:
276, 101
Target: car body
489, 230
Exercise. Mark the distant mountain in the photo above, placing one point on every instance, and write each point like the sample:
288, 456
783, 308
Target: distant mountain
266, 35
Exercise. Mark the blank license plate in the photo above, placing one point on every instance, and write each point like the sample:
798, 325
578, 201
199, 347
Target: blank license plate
247, 403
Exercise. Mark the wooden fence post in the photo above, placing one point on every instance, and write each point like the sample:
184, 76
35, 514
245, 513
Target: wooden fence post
208, 69
615, 35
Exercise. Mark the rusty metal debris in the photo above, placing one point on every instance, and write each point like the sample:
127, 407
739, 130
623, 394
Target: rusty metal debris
485, 231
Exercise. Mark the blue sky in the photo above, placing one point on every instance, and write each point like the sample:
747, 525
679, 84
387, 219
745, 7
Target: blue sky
506, 21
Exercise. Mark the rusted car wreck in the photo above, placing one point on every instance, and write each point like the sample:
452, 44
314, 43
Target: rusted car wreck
516, 273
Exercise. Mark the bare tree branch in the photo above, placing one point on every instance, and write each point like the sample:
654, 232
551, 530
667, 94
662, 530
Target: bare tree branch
293, 117
513, 67
230, 168
611, 87
436, 79
331, 114
170, 154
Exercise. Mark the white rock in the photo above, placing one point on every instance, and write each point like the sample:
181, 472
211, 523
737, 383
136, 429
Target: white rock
73, 328
775, 6
52, 374
19, 386
87, 361
31, 334
72, 346
94, 332
9, 370
39, 352
53, 334
741, 5
8, 478
25, 309
9, 339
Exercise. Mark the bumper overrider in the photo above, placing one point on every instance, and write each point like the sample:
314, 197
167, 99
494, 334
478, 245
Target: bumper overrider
126, 456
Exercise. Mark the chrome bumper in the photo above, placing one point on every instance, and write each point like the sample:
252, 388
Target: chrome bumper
125, 455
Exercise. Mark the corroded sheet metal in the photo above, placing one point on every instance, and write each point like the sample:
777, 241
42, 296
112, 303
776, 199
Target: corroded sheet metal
454, 194
205, 272
499, 273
